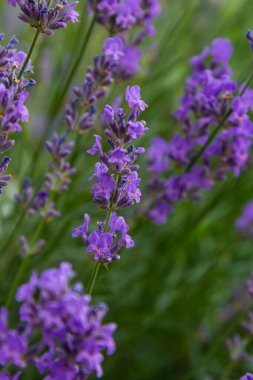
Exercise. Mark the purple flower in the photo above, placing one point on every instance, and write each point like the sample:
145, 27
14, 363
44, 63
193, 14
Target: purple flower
123, 15
211, 111
105, 245
133, 97
113, 48
102, 190
129, 63
117, 179
13, 346
44, 17
82, 230
119, 157
99, 243
248, 376
13, 95
62, 335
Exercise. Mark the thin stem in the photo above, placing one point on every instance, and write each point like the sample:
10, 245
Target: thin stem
16, 282
29, 53
93, 277
56, 106
208, 142
97, 264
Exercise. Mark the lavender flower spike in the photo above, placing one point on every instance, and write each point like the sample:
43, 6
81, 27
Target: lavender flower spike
62, 335
46, 18
117, 180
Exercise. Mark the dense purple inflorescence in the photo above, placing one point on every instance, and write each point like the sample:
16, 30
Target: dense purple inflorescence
13, 95
119, 16
214, 114
117, 181
46, 16
62, 336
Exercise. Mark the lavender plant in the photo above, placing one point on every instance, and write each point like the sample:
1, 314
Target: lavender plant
117, 183
53, 332
216, 133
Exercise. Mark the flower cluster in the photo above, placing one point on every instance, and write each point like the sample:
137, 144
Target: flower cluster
120, 16
13, 95
117, 178
57, 179
214, 119
62, 336
46, 16
117, 60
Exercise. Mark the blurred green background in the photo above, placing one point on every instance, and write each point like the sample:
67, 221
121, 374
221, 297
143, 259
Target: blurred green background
167, 293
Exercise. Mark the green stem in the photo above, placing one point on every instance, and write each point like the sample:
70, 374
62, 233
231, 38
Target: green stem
29, 54
16, 282
208, 142
93, 277
97, 264
56, 105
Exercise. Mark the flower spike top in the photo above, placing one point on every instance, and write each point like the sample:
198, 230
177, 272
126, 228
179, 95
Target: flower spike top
46, 16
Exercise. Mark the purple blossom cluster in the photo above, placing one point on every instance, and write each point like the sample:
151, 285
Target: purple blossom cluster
117, 181
46, 16
120, 16
57, 180
61, 334
117, 61
13, 95
213, 118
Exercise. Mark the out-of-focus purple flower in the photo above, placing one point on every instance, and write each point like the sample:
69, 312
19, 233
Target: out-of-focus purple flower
113, 48
248, 376
62, 335
129, 62
117, 61
210, 102
13, 346
119, 16
46, 17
